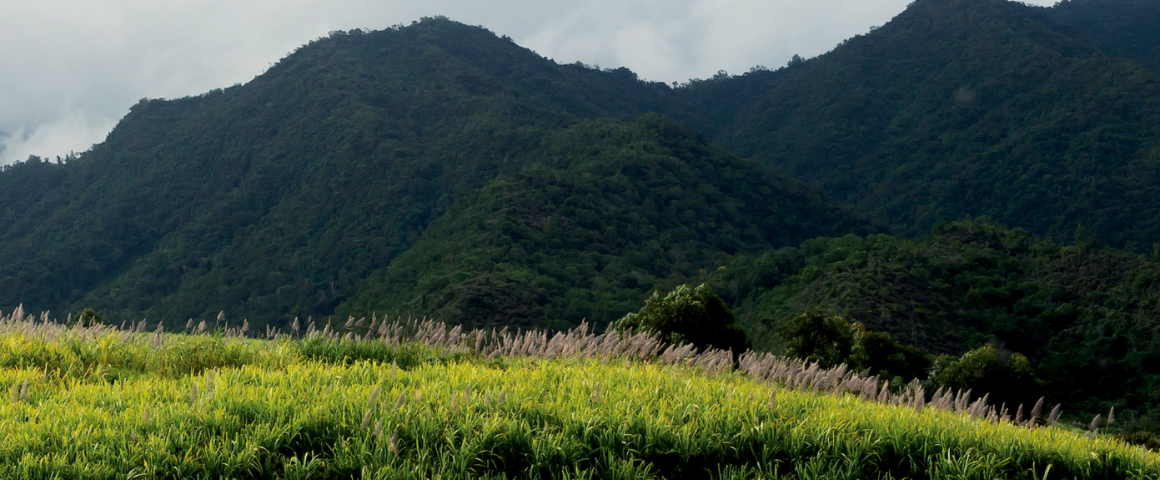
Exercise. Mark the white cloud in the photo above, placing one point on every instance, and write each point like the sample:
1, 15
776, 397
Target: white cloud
73, 132
73, 67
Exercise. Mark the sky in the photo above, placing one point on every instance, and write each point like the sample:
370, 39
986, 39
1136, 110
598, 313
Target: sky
72, 68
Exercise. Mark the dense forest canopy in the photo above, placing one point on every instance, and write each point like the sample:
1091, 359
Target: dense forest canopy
441, 170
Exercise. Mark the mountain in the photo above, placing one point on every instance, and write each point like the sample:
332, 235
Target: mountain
352, 174
1124, 28
1040, 118
282, 197
607, 212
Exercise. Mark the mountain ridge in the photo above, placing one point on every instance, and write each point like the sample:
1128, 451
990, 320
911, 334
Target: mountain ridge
279, 198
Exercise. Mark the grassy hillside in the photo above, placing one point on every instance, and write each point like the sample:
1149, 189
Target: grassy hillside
417, 401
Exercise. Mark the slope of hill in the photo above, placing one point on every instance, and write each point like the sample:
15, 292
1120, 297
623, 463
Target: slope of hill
607, 212
425, 401
1124, 28
303, 192
280, 198
981, 107
1084, 315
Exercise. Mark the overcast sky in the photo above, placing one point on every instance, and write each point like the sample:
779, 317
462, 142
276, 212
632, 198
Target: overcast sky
72, 68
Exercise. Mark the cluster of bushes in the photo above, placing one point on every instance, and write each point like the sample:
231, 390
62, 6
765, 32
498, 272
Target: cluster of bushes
697, 315
987, 370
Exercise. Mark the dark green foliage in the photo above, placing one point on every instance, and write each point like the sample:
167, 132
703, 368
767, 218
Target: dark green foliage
1006, 377
1084, 317
1125, 28
980, 107
89, 317
830, 340
688, 315
818, 337
885, 356
608, 212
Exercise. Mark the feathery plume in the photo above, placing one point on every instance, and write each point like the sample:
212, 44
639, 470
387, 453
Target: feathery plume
402, 399
378, 427
1055, 413
366, 419
394, 443
374, 394
1095, 425
1036, 411
209, 385
1111, 416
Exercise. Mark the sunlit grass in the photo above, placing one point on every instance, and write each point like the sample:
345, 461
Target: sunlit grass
110, 404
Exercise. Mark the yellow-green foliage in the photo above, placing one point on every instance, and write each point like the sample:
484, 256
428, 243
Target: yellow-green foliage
106, 404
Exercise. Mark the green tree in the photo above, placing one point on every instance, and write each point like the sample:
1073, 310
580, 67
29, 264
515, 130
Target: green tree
885, 356
819, 337
689, 315
1007, 377
831, 340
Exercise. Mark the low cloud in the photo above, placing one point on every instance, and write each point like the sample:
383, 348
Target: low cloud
74, 67
74, 132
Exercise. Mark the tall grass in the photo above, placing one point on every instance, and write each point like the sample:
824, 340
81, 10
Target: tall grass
427, 401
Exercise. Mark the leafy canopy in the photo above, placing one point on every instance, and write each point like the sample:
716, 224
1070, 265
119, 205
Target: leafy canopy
688, 315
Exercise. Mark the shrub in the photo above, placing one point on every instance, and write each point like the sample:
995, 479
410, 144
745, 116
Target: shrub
815, 336
1007, 377
89, 317
831, 341
884, 356
689, 315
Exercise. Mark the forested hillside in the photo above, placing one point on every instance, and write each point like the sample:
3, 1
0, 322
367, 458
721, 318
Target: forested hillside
607, 213
1084, 315
980, 107
285, 196
279, 197
1124, 28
